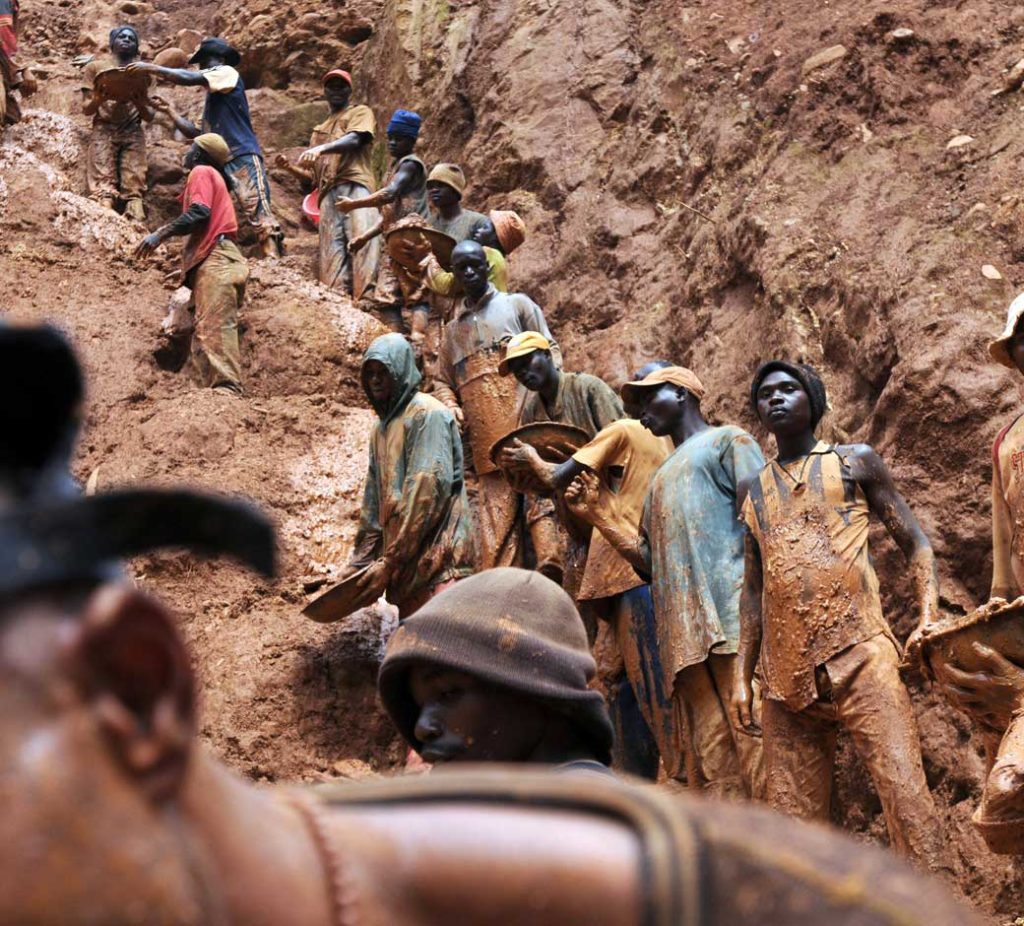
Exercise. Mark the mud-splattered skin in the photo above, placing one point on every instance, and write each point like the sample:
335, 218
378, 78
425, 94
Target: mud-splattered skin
811, 612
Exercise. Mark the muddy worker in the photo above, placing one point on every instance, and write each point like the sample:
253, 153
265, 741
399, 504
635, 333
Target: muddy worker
623, 457
590, 404
403, 194
115, 165
578, 399
212, 266
483, 401
415, 527
458, 693
340, 159
690, 546
446, 185
12, 75
114, 807
226, 113
811, 613
499, 235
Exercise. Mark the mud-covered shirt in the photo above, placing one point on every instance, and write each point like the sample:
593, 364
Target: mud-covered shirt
1008, 510
353, 166
121, 116
810, 519
694, 542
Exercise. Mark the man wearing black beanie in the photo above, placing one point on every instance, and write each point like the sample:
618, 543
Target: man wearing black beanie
811, 612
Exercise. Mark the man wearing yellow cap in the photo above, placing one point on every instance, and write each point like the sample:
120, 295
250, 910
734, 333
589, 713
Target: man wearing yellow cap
485, 403
212, 266
690, 545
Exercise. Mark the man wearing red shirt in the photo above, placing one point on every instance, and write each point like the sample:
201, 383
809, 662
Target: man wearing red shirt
212, 266
12, 76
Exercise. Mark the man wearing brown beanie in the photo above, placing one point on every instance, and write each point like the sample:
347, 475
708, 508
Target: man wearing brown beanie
495, 669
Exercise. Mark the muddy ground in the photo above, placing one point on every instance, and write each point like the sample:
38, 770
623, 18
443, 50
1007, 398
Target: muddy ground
696, 185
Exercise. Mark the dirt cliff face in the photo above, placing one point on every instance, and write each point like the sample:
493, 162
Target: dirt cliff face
715, 182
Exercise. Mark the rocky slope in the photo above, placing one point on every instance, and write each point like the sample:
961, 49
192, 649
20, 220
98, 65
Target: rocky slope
699, 183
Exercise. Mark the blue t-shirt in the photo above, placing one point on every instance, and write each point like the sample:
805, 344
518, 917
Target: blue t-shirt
227, 111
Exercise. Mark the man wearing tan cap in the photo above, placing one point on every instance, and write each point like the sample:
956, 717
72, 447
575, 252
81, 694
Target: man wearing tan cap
446, 184
212, 266
690, 545
485, 403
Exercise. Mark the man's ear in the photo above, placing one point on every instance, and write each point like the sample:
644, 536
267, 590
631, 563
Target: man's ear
134, 668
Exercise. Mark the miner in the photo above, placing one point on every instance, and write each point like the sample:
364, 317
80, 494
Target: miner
501, 233
812, 614
458, 692
212, 266
590, 404
414, 529
485, 402
12, 75
623, 458
115, 165
690, 547
340, 159
115, 814
446, 185
226, 113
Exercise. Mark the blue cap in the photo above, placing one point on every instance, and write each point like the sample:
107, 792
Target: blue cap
404, 122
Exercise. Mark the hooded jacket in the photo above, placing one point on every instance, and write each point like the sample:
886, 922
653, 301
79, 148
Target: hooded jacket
415, 512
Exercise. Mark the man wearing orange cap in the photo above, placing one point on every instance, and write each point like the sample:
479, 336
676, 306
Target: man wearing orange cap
212, 266
340, 159
690, 545
500, 235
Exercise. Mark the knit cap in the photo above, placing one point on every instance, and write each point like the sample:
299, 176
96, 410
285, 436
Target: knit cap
804, 374
450, 174
512, 628
215, 146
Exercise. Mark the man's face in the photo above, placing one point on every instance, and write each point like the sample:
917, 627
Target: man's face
1016, 346
662, 409
462, 719
471, 271
378, 382
532, 370
81, 843
485, 235
400, 145
441, 195
192, 157
782, 404
337, 92
125, 43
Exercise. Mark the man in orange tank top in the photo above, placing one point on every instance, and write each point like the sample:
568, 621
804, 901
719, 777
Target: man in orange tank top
812, 613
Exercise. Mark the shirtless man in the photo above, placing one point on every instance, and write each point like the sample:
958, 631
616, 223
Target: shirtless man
811, 613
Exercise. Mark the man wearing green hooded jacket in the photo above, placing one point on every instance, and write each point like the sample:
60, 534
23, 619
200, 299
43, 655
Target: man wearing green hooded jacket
415, 524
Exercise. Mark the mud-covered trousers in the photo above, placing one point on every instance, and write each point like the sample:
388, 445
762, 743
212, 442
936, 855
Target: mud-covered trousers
252, 191
115, 165
218, 288
861, 691
338, 269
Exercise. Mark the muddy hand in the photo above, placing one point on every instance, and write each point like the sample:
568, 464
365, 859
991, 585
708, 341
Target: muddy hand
356, 245
159, 104
582, 495
375, 580
517, 456
992, 694
309, 156
914, 660
743, 707
147, 245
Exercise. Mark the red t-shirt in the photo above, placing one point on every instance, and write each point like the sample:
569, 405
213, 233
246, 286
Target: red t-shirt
206, 187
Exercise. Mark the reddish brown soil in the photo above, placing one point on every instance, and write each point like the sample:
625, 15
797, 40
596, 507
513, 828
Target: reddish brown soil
690, 193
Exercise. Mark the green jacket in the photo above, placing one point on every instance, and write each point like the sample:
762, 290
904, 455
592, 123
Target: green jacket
415, 510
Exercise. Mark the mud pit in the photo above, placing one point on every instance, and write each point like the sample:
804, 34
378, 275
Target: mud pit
694, 184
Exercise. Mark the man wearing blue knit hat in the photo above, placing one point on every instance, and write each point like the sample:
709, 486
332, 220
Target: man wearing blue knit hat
404, 193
